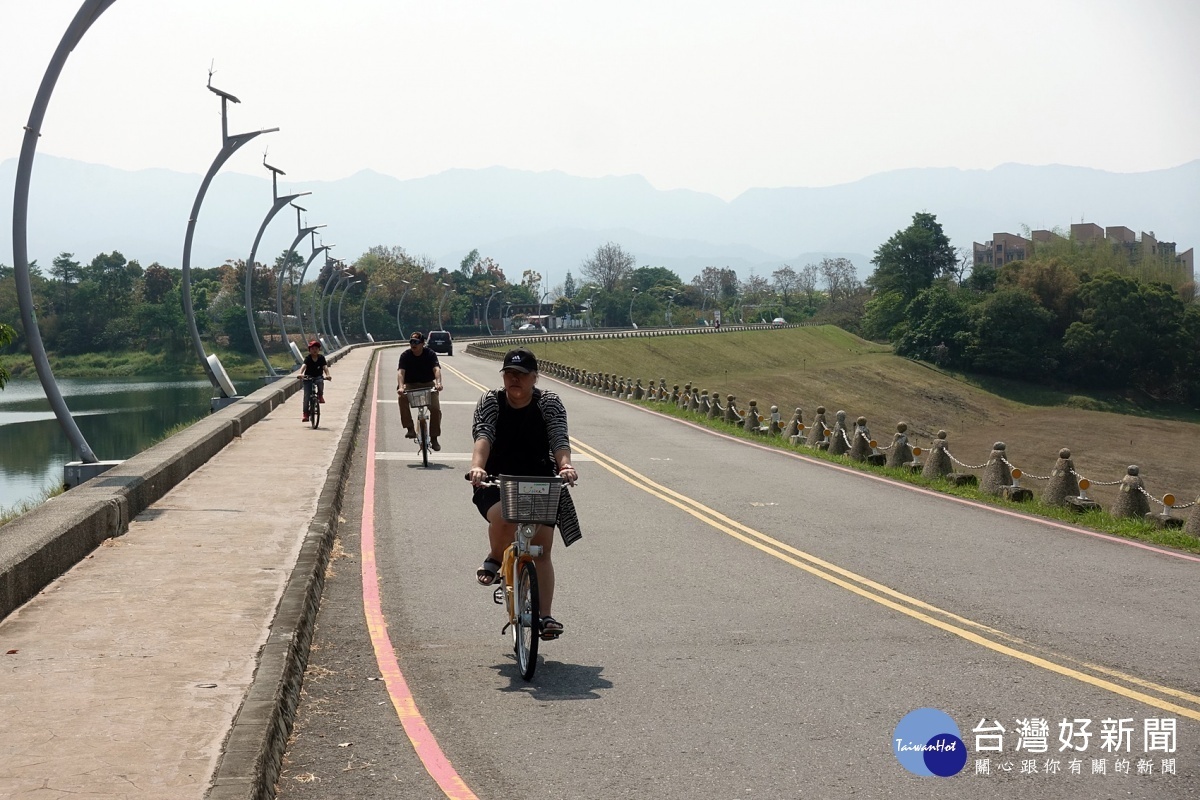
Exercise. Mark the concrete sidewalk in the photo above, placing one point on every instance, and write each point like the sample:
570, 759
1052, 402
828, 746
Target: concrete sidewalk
123, 678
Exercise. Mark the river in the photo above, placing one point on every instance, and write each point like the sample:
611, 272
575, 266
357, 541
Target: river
118, 417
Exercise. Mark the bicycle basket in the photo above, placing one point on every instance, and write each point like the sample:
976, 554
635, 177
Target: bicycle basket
419, 398
530, 499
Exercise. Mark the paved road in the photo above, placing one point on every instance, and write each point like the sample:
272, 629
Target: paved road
740, 623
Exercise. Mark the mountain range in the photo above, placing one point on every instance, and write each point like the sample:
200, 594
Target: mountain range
551, 221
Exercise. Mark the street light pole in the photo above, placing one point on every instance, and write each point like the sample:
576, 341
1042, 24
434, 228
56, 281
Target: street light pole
670, 302
335, 276
486, 320
300, 286
442, 304
276, 207
345, 292
367, 297
408, 288
287, 268
631, 322
345, 277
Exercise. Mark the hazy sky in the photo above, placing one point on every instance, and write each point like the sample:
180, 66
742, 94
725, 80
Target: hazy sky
713, 96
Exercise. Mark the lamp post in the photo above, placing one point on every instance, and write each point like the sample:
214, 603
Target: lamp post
331, 285
407, 289
345, 292
670, 302
486, 320
276, 207
333, 333
591, 302
442, 304
300, 287
301, 232
631, 322
367, 297
506, 317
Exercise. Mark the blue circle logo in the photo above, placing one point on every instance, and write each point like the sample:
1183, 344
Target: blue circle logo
927, 742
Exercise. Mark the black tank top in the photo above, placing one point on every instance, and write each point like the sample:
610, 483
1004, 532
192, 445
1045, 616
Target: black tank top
521, 446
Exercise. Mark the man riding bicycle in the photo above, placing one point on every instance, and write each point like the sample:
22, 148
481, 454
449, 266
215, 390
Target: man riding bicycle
317, 369
419, 368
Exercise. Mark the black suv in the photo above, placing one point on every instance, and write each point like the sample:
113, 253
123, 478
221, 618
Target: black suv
440, 342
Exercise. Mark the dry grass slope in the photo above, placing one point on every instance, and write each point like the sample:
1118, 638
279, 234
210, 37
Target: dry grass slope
809, 367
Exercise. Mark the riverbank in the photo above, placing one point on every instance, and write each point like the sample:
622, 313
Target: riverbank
139, 363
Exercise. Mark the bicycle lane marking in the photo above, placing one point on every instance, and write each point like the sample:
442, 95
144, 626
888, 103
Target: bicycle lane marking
891, 598
418, 732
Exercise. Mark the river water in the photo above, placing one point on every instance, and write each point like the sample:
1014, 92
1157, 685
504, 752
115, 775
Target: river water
118, 417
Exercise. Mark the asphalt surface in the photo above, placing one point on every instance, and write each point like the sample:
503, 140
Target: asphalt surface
702, 660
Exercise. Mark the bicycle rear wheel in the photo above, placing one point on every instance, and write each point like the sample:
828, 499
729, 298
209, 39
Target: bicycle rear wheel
528, 620
424, 434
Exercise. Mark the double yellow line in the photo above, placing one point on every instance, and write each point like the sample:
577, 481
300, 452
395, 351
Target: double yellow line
1114, 681
1119, 683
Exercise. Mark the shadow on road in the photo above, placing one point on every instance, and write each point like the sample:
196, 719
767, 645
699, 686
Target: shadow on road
556, 680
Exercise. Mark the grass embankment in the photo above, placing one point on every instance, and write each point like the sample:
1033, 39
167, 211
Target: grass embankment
129, 363
810, 367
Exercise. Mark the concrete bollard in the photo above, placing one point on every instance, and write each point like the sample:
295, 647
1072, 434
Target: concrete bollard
715, 411
684, 397
1063, 483
901, 452
774, 428
817, 435
662, 389
752, 421
694, 405
638, 392
1130, 500
938, 465
860, 441
1192, 526
838, 438
995, 472
731, 414
795, 428
704, 406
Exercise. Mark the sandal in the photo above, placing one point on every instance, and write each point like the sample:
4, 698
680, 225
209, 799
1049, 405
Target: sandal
488, 573
551, 629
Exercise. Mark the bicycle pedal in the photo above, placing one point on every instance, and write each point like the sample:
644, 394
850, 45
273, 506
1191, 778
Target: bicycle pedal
498, 595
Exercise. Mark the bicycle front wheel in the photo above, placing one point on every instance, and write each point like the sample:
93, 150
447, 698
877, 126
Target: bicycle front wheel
424, 434
314, 414
528, 622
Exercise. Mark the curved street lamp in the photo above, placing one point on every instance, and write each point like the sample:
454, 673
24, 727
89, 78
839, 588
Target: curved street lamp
367, 297
407, 288
631, 322
286, 267
591, 313
345, 292
442, 304
276, 207
670, 302
345, 277
487, 321
335, 276
300, 287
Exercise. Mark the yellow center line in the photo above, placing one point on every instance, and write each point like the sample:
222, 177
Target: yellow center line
891, 598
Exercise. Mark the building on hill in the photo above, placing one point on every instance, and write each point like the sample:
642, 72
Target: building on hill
1004, 248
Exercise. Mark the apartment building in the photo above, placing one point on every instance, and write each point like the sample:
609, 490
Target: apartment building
1004, 248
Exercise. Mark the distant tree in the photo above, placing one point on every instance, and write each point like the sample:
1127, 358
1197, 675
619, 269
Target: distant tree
469, 264
569, 287
913, 258
646, 278
7, 335
939, 326
786, 282
840, 276
156, 283
1051, 281
718, 283
1013, 337
883, 316
609, 266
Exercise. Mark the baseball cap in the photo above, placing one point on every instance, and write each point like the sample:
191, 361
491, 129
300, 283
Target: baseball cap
416, 336
519, 360
314, 343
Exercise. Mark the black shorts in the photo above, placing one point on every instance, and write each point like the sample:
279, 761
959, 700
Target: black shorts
485, 497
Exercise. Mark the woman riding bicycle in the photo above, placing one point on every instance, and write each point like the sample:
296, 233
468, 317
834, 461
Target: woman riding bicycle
521, 430
316, 369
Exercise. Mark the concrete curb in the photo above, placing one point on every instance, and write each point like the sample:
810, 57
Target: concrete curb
253, 755
42, 545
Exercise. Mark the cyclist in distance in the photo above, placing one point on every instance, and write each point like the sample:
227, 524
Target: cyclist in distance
420, 369
522, 430
317, 368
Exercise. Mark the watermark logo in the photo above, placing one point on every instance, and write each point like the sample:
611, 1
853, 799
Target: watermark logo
927, 742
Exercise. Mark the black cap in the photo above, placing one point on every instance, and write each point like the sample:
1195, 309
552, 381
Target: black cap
416, 336
519, 360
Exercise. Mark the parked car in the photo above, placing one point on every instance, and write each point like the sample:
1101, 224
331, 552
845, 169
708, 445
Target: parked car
529, 327
440, 342
779, 322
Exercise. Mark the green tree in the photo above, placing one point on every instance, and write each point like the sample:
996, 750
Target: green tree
913, 258
1013, 336
609, 267
7, 335
569, 287
646, 278
938, 326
